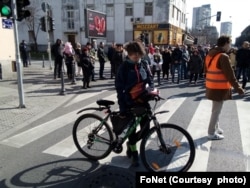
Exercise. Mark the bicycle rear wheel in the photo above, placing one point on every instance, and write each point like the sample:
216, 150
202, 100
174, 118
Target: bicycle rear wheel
92, 136
177, 156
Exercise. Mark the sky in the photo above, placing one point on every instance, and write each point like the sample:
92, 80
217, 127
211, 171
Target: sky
236, 11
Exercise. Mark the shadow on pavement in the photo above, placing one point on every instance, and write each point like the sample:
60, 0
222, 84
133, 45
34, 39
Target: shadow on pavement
69, 173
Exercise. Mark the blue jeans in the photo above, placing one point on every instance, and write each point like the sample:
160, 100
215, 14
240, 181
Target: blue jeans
174, 67
184, 70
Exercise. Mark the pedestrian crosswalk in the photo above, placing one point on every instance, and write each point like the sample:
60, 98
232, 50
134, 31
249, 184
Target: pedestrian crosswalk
197, 127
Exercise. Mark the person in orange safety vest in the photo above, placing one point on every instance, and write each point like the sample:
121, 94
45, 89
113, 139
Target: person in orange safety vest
220, 79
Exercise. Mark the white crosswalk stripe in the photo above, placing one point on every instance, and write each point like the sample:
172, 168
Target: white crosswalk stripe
39, 131
82, 97
197, 128
244, 120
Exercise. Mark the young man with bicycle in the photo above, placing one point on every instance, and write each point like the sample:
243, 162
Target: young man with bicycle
130, 82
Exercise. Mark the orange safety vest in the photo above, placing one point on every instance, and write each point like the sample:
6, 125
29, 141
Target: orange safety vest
215, 79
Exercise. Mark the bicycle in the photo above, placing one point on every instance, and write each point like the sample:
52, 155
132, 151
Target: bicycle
164, 147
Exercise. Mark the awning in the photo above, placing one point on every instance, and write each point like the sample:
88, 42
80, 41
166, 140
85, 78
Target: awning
188, 41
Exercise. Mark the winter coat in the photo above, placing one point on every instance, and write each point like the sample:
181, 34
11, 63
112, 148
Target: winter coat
127, 77
195, 64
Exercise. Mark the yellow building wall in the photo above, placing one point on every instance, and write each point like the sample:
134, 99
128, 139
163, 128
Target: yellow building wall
7, 51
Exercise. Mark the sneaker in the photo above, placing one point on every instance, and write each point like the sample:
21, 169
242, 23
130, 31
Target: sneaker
215, 136
219, 130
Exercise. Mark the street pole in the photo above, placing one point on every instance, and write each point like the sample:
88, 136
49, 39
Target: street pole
47, 30
62, 92
18, 58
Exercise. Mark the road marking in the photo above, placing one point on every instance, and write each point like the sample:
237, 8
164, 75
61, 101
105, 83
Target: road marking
39, 131
244, 120
198, 127
66, 147
83, 96
170, 105
121, 160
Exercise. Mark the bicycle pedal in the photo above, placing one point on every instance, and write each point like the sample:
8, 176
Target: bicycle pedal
118, 150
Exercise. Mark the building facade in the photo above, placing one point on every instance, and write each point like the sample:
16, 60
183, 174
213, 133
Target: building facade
226, 28
123, 18
204, 33
201, 17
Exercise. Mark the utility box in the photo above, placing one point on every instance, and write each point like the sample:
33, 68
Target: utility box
13, 64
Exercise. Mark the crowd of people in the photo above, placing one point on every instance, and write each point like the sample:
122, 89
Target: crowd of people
135, 66
171, 63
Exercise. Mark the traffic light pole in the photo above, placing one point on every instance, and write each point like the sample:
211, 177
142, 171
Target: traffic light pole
18, 59
47, 31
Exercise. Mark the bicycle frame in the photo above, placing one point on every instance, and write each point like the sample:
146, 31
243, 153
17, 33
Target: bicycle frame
137, 119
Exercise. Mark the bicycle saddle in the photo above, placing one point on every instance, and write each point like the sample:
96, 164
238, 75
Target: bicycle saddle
106, 103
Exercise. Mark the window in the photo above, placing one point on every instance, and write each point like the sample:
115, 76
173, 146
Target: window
178, 15
148, 9
110, 10
70, 17
129, 9
173, 11
91, 7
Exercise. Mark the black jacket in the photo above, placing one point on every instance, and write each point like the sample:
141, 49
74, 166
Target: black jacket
243, 58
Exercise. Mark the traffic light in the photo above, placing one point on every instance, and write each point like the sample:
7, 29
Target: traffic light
43, 24
21, 12
51, 24
6, 8
218, 15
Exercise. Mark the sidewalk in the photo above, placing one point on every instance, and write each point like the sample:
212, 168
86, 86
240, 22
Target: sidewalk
41, 96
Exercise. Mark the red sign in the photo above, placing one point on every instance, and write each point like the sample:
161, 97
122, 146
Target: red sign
95, 24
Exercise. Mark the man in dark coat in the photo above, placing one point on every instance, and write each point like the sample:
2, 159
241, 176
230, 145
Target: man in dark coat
102, 59
24, 54
56, 51
243, 63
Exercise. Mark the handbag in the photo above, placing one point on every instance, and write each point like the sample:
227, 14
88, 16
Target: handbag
119, 123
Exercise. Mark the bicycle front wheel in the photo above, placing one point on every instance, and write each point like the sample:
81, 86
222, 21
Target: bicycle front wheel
92, 136
176, 155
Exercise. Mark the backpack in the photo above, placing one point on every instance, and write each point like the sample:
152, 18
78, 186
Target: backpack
143, 97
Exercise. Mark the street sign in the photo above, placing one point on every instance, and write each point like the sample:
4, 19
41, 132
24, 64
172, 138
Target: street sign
7, 23
45, 6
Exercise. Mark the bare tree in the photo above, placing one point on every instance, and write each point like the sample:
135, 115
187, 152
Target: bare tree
33, 25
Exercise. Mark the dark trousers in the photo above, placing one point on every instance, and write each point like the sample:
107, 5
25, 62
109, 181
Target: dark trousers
58, 66
193, 75
145, 126
158, 74
24, 59
112, 69
86, 77
165, 71
69, 65
101, 69
242, 71
136, 136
